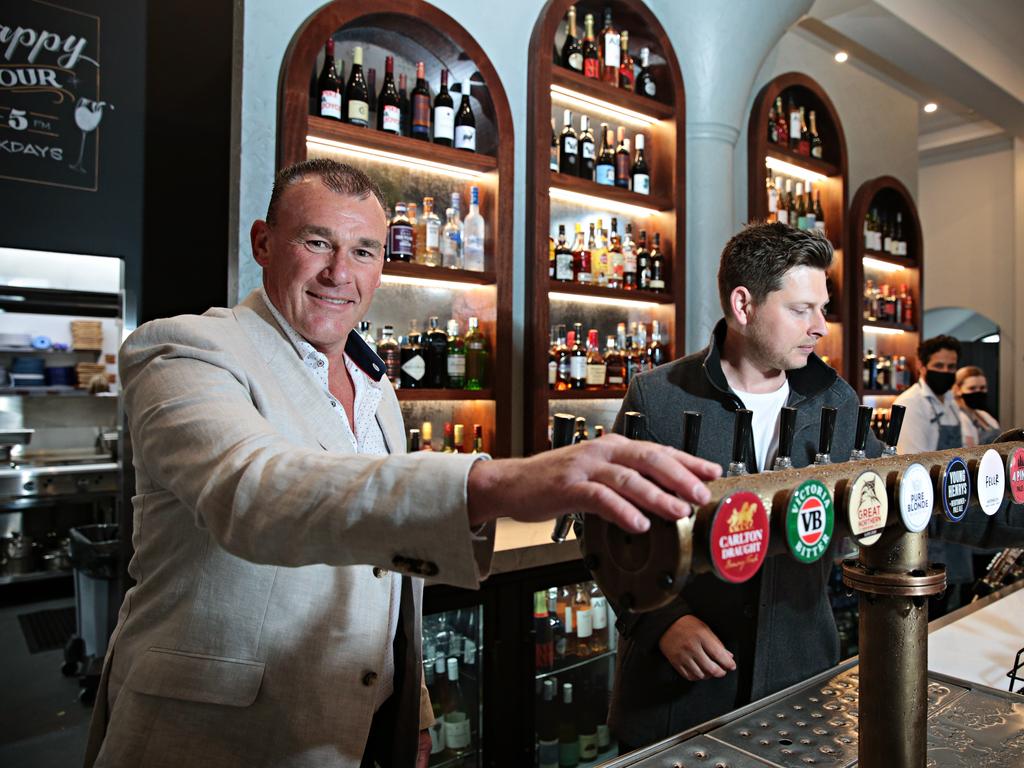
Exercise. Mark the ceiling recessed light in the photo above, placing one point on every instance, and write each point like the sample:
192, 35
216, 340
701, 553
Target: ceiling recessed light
841, 56
930, 107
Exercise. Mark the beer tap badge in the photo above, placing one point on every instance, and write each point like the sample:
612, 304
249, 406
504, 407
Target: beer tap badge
955, 484
739, 536
810, 516
867, 506
916, 496
991, 482
1015, 473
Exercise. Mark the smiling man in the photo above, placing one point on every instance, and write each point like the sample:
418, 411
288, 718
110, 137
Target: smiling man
719, 646
281, 540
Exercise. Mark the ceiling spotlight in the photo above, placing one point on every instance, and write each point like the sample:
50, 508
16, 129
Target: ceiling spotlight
841, 56
930, 107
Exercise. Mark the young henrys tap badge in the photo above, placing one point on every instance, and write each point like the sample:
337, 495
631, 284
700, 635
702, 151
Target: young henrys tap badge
810, 515
50, 100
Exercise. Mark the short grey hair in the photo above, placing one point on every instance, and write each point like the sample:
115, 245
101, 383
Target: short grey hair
337, 177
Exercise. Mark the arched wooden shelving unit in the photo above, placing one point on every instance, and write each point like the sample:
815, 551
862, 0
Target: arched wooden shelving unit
554, 198
887, 195
408, 169
829, 175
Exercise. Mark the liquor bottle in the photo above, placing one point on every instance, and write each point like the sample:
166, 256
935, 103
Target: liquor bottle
587, 724
451, 240
572, 50
644, 80
435, 350
740, 442
428, 236
626, 75
908, 309
364, 333
544, 641
783, 213
643, 263
591, 57
815, 138
825, 432
794, 125
411, 214
870, 376
787, 429
804, 147
448, 445
581, 263
357, 100
800, 221
389, 352
598, 254
555, 622
413, 443
427, 436
782, 125
568, 739
553, 163
414, 366
811, 216
455, 357
578, 359
604, 171
773, 198
459, 439
563, 258
860, 440
400, 236
581, 437
598, 431
474, 234
657, 352
622, 160
587, 150
597, 370
389, 105
465, 123
640, 174
610, 50
599, 610
615, 364
561, 354
547, 728
328, 85
371, 91
629, 276
659, 274
439, 678
404, 104
458, 732
773, 126
886, 234
476, 357
444, 114
478, 438
616, 260
584, 620
568, 152
819, 213
901, 244
420, 127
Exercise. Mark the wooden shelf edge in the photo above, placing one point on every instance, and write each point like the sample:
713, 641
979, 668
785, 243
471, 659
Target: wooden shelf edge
907, 262
413, 149
612, 194
596, 291
419, 395
587, 394
893, 326
617, 97
423, 272
804, 161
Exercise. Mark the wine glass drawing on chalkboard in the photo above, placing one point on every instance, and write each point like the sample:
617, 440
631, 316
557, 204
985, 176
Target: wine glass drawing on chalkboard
88, 114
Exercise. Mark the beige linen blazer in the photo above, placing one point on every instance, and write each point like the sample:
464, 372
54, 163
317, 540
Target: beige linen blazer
258, 624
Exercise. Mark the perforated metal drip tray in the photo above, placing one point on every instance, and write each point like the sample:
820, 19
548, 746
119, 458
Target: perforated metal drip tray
815, 724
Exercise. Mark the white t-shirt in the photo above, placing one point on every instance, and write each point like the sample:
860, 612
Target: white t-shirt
765, 423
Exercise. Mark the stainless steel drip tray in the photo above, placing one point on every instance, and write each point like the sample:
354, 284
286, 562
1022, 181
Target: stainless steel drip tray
23, 483
815, 724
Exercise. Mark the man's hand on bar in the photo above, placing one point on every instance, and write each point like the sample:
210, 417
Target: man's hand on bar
694, 651
612, 477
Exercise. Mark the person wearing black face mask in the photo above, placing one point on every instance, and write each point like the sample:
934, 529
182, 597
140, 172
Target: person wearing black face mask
979, 427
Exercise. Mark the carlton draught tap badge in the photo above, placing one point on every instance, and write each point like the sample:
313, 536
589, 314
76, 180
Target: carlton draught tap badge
1015, 473
810, 515
739, 536
867, 507
955, 486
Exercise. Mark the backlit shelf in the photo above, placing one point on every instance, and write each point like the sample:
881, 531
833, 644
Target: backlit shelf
406, 272
419, 395
591, 93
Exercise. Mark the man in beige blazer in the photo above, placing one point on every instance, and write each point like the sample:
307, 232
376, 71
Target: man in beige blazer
281, 536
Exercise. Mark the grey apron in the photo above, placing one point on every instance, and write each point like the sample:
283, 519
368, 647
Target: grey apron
957, 557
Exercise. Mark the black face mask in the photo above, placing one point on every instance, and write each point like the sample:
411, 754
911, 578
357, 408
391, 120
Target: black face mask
940, 382
976, 401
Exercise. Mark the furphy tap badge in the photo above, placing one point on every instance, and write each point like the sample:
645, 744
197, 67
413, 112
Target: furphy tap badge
1015, 474
739, 536
955, 487
810, 516
991, 482
916, 497
867, 507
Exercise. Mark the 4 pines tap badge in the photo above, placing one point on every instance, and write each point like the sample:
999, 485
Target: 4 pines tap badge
739, 536
810, 516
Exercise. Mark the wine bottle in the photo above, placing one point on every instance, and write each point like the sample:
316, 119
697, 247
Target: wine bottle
591, 57
815, 138
420, 128
458, 731
544, 640
448, 441
794, 125
455, 359
773, 126
629, 275
622, 160
477, 356
643, 263
804, 147
587, 150
465, 123
329, 85
444, 114
604, 170
781, 124
644, 80
389, 105
626, 75
572, 50
473, 234
610, 50
404, 104
357, 101
658, 268
478, 439
568, 739
547, 728
578, 359
657, 352
616, 259
640, 175
553, 164
568, 156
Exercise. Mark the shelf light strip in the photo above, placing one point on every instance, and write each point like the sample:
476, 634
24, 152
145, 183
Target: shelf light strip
883, 331
427, 282
601, 203
609, 301
794, 170
884, 266
394, 159
590, 101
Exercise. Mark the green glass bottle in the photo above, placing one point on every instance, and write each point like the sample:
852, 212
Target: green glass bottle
476, 356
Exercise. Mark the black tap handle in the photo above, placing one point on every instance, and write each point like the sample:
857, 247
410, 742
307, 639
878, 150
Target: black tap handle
787, 429
864, 414
896, 414
564, 430
828, 427
633, 425
691, 431
741, 435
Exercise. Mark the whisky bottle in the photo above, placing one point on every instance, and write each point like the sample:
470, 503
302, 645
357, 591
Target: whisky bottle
563, 258
477, 355
643, 263
657, 353
581, 261
400, 236
436, 353
390, 353
598, 254
629, 276
578, 359
658, 270
428, 241
615, 364
414, 366
455, 358
597, 370
562, 378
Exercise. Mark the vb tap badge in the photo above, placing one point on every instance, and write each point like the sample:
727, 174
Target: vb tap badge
867, 506
810, 516
739, 536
